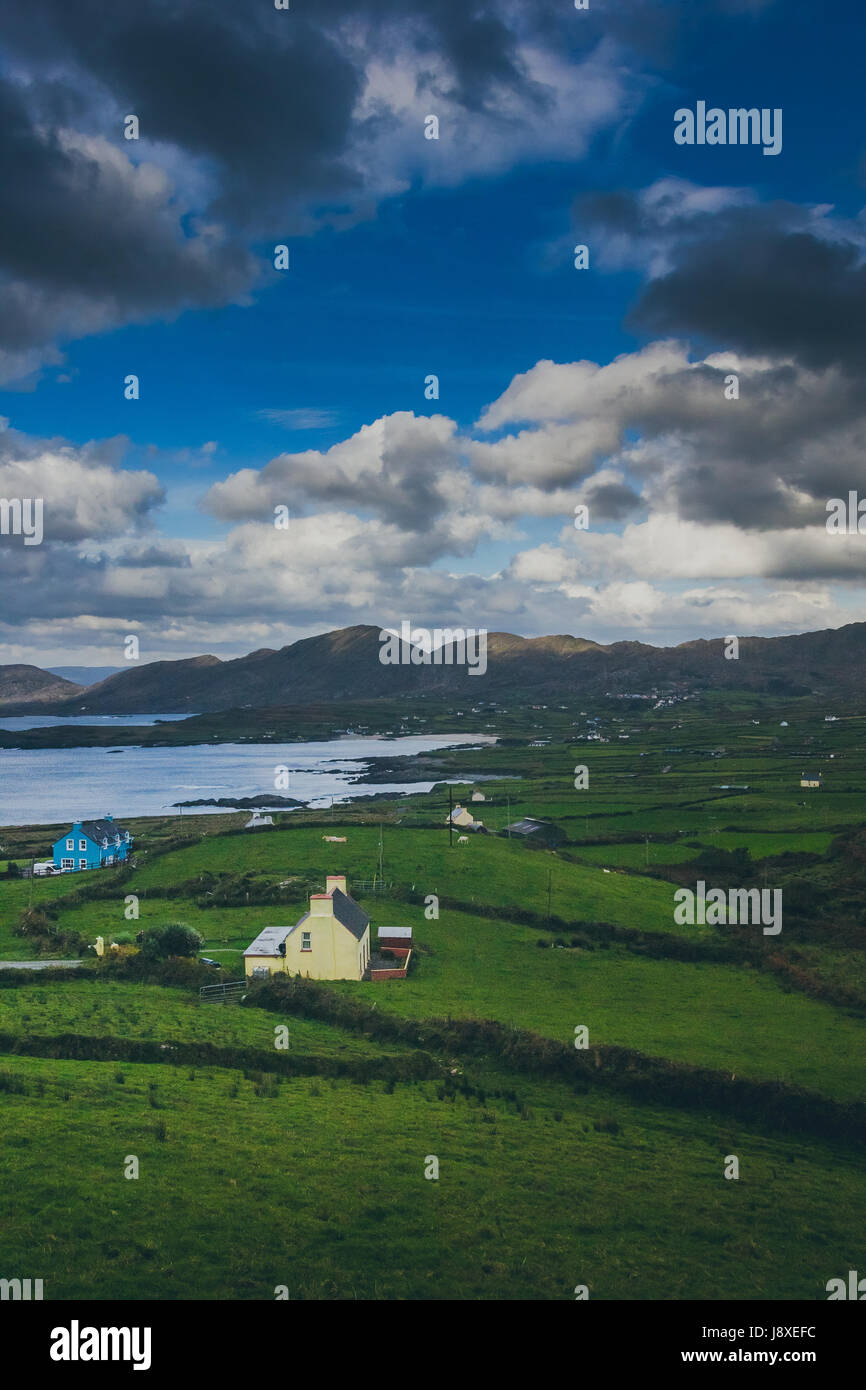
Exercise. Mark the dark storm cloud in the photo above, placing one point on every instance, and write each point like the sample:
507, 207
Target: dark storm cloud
269, 96
765, 289
612, 501
263, 124
74, 224
249, 124
270, 100
772, 278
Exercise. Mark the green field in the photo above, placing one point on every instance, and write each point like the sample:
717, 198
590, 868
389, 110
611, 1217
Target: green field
317, 1182
319, 1186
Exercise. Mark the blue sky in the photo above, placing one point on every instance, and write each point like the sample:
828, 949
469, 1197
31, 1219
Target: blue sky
444, 259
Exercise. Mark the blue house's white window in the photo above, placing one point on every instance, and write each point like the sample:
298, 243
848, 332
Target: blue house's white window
82, 845
70, 844
82, 863
67, 863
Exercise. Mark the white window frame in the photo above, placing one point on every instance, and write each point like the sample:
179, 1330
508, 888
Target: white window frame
82, 846
70, 844
308, 937
67, 863
82, 863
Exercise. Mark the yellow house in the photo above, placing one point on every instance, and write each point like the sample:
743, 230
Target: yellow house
464, 819
330, 942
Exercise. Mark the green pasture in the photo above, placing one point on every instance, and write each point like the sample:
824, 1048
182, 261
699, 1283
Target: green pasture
107, 1009
729, 1017
488, 869
318, 1186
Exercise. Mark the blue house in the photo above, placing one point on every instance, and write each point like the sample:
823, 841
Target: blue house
92, 844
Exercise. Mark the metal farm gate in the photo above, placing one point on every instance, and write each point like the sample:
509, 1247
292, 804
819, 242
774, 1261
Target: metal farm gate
222, 994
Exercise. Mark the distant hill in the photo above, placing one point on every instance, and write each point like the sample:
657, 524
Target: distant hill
28, 685
345, 665
84, 675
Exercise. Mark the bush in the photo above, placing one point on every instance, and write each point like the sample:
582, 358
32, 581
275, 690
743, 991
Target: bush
47, 937
175, 939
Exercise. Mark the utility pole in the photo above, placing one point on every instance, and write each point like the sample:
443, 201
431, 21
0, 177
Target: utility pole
450, 816
508, 821
381, 859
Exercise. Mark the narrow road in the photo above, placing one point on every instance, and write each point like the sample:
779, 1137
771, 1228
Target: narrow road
35, 964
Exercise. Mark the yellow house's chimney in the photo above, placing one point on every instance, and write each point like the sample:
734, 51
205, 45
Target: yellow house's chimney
336, 881
321, 905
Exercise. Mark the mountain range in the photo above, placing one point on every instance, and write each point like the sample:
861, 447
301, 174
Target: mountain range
345, 665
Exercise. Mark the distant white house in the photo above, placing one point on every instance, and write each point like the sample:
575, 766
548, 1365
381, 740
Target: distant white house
811, 779
256, 821
478, 796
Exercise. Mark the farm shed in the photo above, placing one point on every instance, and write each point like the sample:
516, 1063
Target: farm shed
535, 832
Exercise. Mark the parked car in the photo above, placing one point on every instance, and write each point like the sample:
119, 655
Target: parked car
206, 960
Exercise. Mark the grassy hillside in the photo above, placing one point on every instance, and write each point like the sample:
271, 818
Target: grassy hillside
319, 1185
306, 1167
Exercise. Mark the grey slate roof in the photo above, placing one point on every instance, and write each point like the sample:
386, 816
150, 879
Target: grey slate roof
99, 830
347, 911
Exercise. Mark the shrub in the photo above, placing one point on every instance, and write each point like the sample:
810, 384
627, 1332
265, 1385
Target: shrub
47, 937
175, 939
